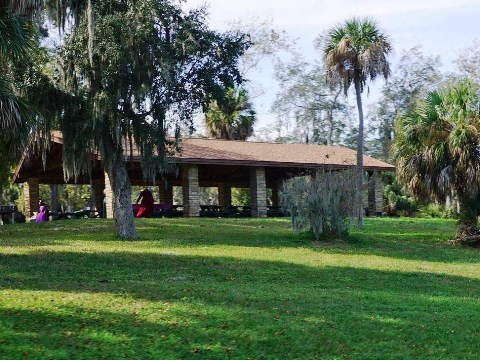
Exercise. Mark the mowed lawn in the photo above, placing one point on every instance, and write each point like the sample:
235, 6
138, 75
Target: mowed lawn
237, 289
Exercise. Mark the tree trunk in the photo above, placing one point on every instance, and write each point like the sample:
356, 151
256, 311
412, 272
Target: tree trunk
330, 126
330, 119
1, 203
468, 216
359, 153
121, 191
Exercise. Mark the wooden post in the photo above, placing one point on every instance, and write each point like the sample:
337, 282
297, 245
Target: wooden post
54, 198
31, 191
191, 191
98, 186
224, 194
258, 192
275, 199
165, 192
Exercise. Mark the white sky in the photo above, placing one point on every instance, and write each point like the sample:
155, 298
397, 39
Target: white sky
443, 27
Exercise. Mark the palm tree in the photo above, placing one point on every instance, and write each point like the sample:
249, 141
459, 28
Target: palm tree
17, 40
438, 149
232, 117
356, 52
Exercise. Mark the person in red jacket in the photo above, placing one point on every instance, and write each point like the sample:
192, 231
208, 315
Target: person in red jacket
146, 206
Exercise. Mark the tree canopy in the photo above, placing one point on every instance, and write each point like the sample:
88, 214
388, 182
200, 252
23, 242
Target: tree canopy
437, 148
133, 73
412, 78
231, 117
317, 110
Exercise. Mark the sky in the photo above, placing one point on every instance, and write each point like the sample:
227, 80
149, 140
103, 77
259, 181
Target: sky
442, 27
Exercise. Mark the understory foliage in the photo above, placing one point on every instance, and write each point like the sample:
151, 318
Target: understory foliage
323, 203
399, 201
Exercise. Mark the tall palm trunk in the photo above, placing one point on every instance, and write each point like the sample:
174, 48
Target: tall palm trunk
359, 152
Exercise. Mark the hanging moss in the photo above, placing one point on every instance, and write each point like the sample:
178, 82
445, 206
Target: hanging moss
134, 73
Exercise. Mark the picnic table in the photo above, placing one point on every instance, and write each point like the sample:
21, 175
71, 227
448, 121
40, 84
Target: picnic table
275, 211
162, 210
81, 214
240, 211
213, 211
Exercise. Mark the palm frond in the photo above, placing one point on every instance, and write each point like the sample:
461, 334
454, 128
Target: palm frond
356, 48
15, 119
438, 147
16, 36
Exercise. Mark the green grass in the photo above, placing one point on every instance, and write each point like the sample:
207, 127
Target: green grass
237, 289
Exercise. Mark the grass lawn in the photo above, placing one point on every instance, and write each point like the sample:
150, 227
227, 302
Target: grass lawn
237, 289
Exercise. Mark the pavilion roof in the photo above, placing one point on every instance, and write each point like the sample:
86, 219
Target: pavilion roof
212, 151
229, 152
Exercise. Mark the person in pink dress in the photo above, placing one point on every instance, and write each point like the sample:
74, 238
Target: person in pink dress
42, 215
146, 206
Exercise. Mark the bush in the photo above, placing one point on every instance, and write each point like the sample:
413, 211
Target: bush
437, 211
399, 201
323, 203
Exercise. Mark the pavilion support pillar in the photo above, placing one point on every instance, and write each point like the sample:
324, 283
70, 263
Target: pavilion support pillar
191, 191
379, 192
165, 191
108, 198
98, 186
224, 194
375, 194
258, 192
275, 198
31, 190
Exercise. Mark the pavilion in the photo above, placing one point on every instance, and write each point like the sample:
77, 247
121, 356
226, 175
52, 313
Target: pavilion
203, 162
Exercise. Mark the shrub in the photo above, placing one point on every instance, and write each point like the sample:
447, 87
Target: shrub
399, 201
323, 203
437, 211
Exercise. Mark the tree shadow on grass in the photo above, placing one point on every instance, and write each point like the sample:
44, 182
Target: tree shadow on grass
411, 239
185, 306
395, 238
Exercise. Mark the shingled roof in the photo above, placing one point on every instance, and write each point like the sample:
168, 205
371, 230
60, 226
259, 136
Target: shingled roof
215, 151
244, 153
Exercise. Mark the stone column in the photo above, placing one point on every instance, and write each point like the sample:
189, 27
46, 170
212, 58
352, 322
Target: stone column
375, 194
108, 198
31, 192
224, 194
165, 192
98, 187
379, 190
258, 192
191, 191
